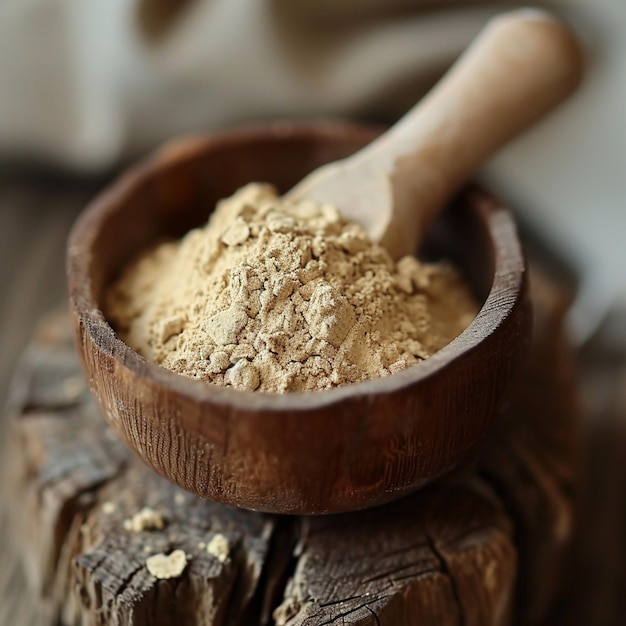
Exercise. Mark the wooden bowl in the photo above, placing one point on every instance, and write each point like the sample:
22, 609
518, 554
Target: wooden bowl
318, 452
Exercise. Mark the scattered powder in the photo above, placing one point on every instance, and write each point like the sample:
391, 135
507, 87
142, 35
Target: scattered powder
280, 296
146, 519
219, 547
296, 595
108, 508
287, 610
164, 566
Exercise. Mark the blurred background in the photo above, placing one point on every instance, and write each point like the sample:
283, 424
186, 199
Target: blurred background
88, 86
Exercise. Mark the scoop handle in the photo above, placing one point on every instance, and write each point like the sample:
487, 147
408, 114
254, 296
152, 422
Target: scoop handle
520, 66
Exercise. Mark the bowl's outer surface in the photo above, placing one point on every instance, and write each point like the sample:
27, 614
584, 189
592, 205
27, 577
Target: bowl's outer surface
337, 450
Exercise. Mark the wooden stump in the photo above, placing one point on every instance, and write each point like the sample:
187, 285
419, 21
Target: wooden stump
487, 545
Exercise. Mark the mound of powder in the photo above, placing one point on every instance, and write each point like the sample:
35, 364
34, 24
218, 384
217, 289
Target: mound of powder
281, 296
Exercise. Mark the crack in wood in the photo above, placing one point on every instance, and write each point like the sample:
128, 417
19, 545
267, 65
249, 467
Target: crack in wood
324, 605
343, 615
392, 572
374, 615
126, 581
446, 571
279, 567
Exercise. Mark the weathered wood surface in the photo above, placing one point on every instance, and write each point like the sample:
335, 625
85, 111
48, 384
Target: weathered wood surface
491, 541
35, 217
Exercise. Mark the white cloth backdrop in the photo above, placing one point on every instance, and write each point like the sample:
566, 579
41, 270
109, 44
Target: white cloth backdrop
82, 84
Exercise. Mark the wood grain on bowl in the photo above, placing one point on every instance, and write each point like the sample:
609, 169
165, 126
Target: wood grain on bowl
337, 450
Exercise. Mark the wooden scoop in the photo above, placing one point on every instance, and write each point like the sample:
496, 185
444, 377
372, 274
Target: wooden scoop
521, 66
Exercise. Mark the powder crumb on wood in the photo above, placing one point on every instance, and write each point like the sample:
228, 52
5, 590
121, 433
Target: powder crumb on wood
164, 566
219, 547
146, 519
108, 508
286, 611
283, 296
296, 595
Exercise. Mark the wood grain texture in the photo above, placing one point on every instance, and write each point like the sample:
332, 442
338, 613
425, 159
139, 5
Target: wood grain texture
465, 551
35, 218
68, 464
330, 451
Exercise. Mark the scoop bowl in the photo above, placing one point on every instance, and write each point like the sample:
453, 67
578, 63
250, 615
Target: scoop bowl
329, 451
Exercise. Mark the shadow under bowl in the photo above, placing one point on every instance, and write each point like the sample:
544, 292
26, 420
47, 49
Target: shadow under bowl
329, 451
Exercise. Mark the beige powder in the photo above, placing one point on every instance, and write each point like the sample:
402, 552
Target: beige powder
281, 296
146, 519
219, 547
164, 566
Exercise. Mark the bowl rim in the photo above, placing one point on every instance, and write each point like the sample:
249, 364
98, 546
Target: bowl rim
509, 278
